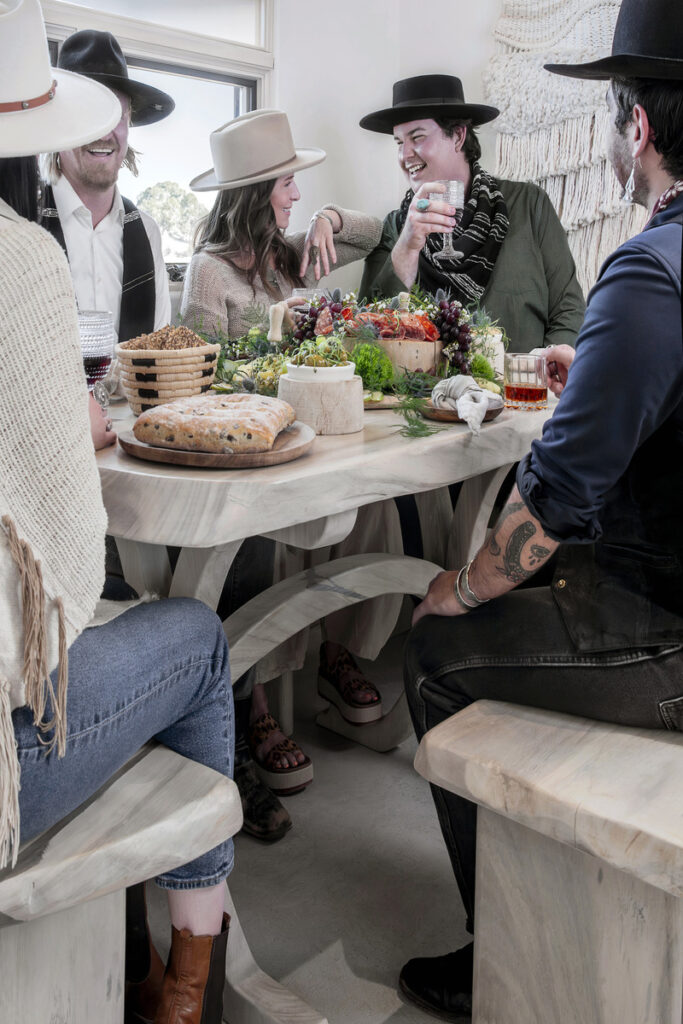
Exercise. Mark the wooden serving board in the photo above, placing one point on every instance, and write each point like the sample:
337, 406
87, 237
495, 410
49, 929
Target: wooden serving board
290, 444
388, 402
451, 416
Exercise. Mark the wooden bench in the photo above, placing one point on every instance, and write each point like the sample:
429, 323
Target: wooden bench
579, 915
62, 908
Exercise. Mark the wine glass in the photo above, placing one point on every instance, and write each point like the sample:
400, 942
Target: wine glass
454, 196
98, 337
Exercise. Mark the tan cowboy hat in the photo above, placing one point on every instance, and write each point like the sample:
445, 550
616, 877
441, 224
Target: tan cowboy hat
254, 147
43, 109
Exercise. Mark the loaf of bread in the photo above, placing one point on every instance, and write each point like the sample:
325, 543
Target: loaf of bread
222, 424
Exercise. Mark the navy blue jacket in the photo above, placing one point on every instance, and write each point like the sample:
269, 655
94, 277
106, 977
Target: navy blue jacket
606, 478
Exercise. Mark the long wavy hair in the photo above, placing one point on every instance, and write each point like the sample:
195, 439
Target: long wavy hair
241, 228
19, 185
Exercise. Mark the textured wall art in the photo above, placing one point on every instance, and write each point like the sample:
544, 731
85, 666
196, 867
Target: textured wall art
553, 130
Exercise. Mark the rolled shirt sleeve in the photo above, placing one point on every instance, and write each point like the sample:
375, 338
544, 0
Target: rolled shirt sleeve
625, 381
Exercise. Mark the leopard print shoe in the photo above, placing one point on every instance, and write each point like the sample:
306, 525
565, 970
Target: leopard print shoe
280, 780
342, 683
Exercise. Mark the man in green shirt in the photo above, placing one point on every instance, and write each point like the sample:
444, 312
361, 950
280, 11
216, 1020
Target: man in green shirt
512, 255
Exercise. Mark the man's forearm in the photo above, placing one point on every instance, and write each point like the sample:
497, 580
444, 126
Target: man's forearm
515, 550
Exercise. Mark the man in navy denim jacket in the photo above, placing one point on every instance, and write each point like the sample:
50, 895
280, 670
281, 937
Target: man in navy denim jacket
601, 494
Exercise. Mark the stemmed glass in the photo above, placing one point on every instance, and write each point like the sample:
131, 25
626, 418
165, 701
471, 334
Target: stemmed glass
454, 196
98, 337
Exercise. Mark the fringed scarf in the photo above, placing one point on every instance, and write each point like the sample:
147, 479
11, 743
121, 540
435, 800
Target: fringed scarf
477, 239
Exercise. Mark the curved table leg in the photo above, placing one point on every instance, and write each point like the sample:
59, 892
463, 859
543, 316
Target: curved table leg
472, 514
272, 617
145, 566
201, 572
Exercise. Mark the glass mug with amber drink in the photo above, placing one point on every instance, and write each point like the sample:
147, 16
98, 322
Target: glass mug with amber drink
526, 386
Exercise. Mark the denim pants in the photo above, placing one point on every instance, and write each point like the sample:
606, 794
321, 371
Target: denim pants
517, 649
159, 671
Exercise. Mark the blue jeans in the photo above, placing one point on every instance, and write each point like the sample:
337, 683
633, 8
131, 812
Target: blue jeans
517, 649
159, 671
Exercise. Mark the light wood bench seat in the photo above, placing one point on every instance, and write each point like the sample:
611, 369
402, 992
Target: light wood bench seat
62, 908
579, 915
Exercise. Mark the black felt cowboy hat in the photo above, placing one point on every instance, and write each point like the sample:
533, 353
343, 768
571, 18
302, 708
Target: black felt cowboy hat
97, 55
427, 96
648, 43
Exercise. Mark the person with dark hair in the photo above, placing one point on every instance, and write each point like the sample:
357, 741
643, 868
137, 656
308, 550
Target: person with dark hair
512, 254
83, 685
114, 249
598, 502
243, 257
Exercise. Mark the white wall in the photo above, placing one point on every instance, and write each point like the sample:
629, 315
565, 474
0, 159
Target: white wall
336, 60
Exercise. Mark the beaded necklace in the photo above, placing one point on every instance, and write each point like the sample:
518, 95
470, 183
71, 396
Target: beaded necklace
667, 197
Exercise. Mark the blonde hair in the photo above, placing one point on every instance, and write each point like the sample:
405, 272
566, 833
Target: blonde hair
51, 172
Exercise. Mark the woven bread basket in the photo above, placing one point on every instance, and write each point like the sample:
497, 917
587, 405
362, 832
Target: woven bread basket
154, 376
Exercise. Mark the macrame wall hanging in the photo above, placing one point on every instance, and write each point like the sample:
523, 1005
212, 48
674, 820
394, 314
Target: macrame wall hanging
553, 130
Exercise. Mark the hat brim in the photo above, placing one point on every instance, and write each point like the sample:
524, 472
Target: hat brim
80, 112
208, 182
625, 65
384, 121
147, 104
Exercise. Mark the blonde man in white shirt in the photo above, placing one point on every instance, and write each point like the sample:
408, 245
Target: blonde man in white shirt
114, 249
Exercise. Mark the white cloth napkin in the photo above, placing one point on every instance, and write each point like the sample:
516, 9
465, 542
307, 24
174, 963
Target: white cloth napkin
464, 396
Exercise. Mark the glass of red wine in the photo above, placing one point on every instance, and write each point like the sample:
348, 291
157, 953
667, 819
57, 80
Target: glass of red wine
98, 337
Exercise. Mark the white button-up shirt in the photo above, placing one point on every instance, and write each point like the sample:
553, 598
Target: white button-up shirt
96, 254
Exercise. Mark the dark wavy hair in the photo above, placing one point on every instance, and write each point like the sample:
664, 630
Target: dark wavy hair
242, 224
19, 184
471, 147
663, 103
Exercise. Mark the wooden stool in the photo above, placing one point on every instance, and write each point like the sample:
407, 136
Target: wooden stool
62, 908
579, 916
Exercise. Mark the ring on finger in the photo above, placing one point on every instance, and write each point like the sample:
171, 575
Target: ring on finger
422, 205
314, 253
108, 424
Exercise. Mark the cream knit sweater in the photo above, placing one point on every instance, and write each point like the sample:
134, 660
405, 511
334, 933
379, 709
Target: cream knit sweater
216, 294
51, 507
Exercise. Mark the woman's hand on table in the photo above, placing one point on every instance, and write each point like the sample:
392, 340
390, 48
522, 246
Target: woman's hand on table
440, 599
319, 243
558, 359
100, 425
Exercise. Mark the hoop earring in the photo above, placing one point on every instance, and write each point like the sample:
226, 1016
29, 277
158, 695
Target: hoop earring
630, 187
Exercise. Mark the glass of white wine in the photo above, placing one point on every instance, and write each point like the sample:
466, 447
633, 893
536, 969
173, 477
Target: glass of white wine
454, 196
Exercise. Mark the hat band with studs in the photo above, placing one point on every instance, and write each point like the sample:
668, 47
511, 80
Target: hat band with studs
37, 101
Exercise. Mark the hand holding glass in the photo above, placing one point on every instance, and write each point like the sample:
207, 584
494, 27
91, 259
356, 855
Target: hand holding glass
526, 386
454, 196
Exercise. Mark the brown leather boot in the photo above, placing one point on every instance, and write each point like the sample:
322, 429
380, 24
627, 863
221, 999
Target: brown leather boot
144, 966
192, 992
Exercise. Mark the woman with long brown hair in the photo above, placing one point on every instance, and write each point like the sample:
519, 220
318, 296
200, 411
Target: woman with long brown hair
243, 258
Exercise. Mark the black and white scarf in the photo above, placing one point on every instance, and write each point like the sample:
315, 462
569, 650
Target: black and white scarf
477, 239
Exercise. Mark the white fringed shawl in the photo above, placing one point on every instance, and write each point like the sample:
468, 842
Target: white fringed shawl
553, 130
52, 518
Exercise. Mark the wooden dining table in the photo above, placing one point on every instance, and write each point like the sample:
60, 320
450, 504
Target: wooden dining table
308, 503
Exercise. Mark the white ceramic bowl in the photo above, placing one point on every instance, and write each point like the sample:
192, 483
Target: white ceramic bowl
321, 373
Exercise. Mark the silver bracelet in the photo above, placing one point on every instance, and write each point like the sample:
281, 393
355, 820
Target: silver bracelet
321, 213
469, 593
458, 592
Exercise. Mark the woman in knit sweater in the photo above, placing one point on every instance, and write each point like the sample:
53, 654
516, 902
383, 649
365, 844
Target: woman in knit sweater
158, 669
243, 257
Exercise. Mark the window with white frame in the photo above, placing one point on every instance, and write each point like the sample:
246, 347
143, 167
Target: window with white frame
212, 78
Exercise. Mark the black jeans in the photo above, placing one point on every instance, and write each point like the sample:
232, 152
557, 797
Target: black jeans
517, 649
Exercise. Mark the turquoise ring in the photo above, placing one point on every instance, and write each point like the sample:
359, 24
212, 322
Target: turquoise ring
422, 205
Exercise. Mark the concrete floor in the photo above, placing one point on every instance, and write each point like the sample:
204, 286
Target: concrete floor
362, 881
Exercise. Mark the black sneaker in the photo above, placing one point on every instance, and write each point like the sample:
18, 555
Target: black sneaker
264, 816
442, 985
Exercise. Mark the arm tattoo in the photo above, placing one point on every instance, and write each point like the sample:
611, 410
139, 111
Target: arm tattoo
538, 554
508, 510
512, 560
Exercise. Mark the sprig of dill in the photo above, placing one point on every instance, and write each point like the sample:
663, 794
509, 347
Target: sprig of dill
416, 425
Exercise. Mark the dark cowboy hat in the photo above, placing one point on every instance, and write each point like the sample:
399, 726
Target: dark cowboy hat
648, 43
97, 55
427, 96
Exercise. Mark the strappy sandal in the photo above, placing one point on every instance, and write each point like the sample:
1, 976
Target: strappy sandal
264, 817
280, 780
341, 685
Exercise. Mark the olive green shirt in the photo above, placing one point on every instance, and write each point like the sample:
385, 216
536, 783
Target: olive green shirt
533, 292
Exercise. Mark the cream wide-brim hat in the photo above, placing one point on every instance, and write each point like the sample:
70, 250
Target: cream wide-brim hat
254, 147
44, 117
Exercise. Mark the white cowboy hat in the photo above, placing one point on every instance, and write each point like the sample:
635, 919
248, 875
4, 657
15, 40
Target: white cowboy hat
254, 147
43, 109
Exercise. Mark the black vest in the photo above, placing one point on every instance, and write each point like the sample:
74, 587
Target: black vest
626, 589
138, 292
